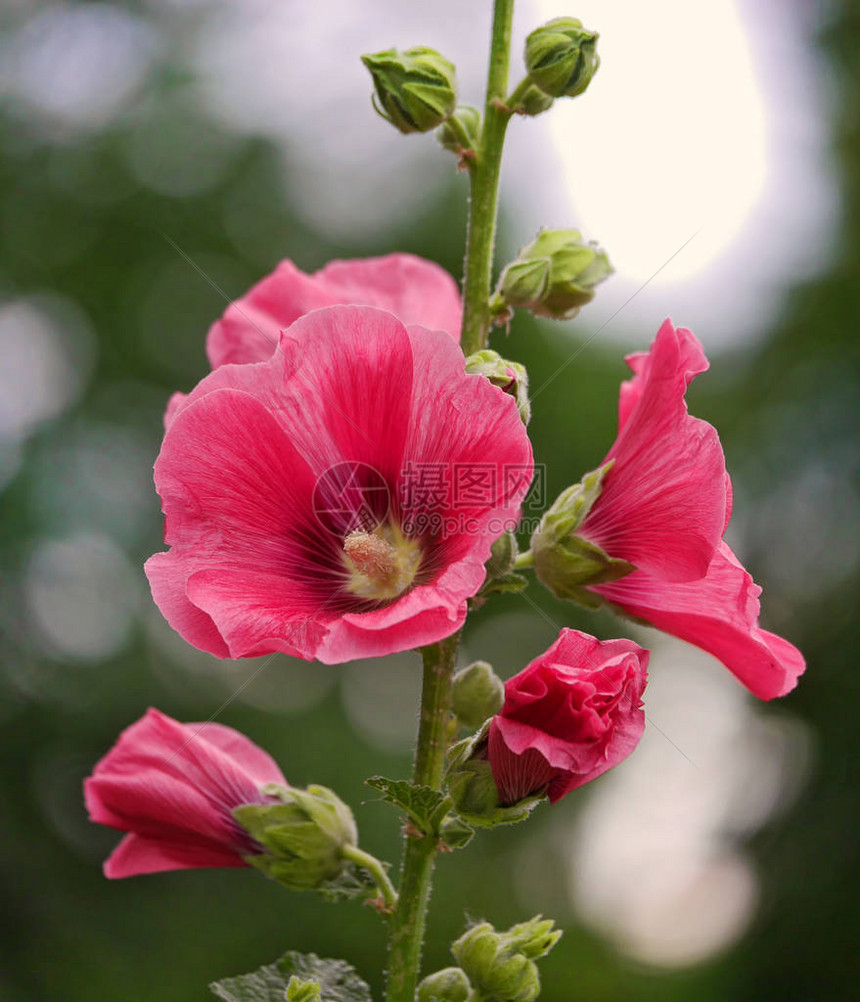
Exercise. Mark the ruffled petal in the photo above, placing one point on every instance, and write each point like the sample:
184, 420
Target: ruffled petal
414, 290
718, 613
663, 504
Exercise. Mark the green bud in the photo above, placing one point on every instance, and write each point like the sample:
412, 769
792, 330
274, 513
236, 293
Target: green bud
473, 790
503, 556
530, 100
416, 90
448, 985
508, 376
460, 133
501, 964
478, 694
534, 938
555, 275
564, 562
303, 991
561, 57
302, 835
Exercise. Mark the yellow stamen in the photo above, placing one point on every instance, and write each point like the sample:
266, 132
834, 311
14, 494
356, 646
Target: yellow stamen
381, 564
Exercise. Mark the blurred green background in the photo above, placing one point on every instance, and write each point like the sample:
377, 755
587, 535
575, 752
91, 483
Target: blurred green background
130, 211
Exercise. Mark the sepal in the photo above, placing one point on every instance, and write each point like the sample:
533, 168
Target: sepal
473, 790
566, 563
303, 835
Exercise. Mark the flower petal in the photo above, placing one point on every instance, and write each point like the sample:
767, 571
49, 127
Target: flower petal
136, 855
414, 290
663, 504
719, 614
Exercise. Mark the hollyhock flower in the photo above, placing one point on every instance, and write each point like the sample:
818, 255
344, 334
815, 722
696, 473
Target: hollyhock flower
414, 290
338, 500
173, 788
570, 715
661, 511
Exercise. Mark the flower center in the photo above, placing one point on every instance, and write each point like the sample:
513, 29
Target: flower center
381, 564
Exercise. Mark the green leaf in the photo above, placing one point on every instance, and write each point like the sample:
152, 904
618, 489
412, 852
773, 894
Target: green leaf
455, 833
352, 882
425, 808
337, 979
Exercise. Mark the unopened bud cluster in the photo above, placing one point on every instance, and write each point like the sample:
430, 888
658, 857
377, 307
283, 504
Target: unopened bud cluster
303, 835
416, 90
561, 57
555, 275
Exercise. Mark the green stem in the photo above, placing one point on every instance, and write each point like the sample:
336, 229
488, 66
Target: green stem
419, 854
484, 174
376, 870
524, 560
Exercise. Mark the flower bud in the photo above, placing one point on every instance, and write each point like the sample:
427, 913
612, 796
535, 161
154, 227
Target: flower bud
416, 90
500, 964
302, 836
508, 376
478, 694
447, 985
565, 562
555, 275
460, 133
303, 991
534, 938
473, 789
561, 57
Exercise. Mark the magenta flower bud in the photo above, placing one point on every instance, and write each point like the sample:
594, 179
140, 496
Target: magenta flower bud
173, 788
570, 715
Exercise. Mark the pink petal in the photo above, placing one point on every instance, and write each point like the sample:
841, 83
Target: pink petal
719, 614
259, 765
165, 780
167, 578
663, 504
414, 290
135, 855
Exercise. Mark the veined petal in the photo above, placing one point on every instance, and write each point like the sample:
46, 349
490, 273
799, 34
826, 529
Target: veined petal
663, 504
718, 613
414, 290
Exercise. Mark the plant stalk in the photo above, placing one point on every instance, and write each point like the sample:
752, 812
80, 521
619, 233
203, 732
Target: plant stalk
484, 174
419, 854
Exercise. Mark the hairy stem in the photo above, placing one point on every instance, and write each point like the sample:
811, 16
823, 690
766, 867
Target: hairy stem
419, 854
484, 174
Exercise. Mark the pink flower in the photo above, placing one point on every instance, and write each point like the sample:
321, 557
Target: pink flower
414, 290
173, 788
338, 500
664, 507
573, 713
